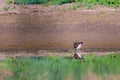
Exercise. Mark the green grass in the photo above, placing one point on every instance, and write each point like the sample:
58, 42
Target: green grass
31, 1
88, 3
3, 65
5, 8
61, 68
7, 1
103, 65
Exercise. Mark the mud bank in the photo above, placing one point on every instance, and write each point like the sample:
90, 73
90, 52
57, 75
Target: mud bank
59, 30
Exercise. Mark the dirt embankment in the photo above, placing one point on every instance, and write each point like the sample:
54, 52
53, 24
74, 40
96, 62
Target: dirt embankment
39, 27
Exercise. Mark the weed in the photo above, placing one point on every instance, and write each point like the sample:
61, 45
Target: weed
59, 68
5, 8
8, 1
88, 3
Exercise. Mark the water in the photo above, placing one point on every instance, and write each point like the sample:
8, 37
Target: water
65, 68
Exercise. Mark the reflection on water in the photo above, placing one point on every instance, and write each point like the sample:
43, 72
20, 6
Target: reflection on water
66, 68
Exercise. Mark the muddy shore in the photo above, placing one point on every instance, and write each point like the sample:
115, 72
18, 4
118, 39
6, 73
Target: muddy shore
39, 28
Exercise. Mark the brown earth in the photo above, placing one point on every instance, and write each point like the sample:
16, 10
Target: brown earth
58, 27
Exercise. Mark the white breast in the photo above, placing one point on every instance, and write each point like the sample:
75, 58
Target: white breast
79, 46
80, 56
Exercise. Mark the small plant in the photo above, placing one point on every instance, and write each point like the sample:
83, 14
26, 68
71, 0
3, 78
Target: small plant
8, 1
90, 6
74, 7
77, 5
5, 8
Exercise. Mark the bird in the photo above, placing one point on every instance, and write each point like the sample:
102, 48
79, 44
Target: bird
78, 56
77, 46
